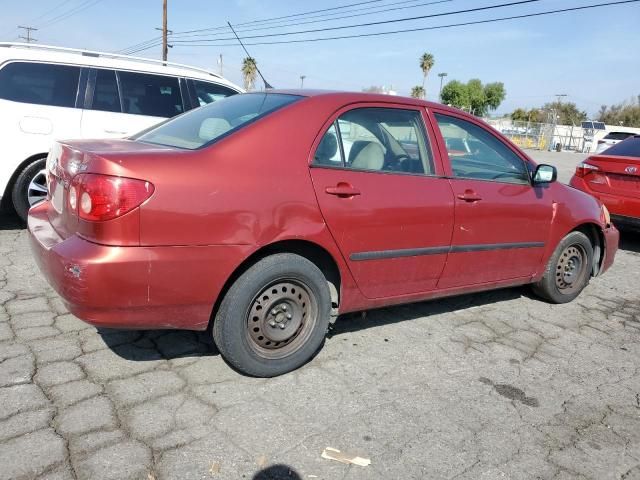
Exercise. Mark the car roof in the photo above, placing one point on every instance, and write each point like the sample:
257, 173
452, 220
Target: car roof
358, 97
53, 54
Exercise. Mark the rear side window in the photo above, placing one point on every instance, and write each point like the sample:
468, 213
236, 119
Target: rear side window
207, 124
618, 136
628, 148
105, 94
40, 83
152, 95
207, 92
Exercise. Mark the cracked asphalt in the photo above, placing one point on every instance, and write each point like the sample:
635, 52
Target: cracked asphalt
486, 386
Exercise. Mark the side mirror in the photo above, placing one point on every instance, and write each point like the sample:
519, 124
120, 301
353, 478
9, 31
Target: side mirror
545, 174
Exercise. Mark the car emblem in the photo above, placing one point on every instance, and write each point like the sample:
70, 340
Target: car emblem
631, 169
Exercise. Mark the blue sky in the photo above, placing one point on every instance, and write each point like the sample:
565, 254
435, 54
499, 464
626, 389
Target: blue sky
592, 55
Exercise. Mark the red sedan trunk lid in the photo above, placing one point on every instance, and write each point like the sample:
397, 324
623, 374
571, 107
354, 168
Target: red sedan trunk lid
615, 175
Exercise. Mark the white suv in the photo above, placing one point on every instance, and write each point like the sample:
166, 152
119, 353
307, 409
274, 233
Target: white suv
49, 93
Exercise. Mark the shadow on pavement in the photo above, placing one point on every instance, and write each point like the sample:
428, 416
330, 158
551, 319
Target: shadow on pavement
354, 322
277, 472
148, 345
9, 220
630, 241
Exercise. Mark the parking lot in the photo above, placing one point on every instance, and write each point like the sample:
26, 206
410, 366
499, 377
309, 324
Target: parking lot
486, 386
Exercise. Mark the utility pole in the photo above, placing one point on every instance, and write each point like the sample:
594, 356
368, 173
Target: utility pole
556, 115
302, 77
220, 65
165, 48
28, 31
441, 75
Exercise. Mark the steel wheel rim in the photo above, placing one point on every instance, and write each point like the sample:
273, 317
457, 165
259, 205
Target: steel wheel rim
280, 318
571, 268
37, 188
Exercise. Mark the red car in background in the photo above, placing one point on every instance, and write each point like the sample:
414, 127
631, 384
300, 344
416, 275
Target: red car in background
265, 214
613, 177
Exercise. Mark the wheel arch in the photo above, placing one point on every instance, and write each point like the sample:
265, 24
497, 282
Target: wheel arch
595, 235
313, 252
6, 197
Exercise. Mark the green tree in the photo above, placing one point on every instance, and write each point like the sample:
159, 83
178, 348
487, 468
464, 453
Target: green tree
567, 112
249, 72
455, 93
426, 64
473, 96
417, 92
519, 115
624, 114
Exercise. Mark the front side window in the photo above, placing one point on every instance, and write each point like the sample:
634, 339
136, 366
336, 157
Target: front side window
476, 153
205, 125
105, 93
208, 92
378, 139
152, 95
40, 83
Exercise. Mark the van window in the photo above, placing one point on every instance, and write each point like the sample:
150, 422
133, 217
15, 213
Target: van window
105, 94
208, 92
148, 94
40, 83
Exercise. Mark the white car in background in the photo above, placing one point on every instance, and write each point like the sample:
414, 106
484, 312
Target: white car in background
49, 93
611, 139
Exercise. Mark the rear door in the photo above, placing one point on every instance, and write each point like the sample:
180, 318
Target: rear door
502, 221
383, 197
122, 103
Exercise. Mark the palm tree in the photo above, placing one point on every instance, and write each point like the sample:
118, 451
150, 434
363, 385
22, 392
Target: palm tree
426, 64
417, 92
249, 72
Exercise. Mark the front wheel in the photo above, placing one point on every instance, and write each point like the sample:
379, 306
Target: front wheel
30, 187
568, 271
275, 316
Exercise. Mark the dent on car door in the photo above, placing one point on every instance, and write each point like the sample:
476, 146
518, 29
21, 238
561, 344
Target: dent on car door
502, 221
380, 193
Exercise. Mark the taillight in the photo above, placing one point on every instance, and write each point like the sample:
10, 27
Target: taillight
584, 168
600, 142
96, 197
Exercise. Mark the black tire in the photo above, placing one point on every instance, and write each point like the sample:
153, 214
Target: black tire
568, 271
274, 317
20, 193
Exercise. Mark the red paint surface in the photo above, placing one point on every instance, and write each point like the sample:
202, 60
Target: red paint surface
164, 264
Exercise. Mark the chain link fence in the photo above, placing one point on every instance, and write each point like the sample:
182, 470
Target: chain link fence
543, 136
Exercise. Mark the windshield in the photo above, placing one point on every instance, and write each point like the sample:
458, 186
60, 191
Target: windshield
204, 125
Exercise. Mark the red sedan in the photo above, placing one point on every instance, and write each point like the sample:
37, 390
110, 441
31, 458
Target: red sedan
613, 177
263, 215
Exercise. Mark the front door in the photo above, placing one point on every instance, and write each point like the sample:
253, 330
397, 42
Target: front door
381, 193
502, 221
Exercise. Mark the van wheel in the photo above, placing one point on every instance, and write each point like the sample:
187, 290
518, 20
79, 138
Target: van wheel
275, 316
30, 187
568, 271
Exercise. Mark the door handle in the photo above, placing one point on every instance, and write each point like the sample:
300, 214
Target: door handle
469, 196
342, 190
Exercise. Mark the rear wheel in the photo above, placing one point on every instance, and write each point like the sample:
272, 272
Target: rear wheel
30, 187
568, 271
274, 317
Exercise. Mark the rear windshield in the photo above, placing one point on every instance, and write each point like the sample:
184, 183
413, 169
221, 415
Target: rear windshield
205, 125
628, 148
618, 135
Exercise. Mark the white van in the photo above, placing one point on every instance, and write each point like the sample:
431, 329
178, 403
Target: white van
49, 93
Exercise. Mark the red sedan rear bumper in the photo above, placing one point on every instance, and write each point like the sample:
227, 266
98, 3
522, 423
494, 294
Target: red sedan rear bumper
132, 287
621, 206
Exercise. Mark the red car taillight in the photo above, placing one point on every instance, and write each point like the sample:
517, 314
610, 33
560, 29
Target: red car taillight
584, 168
96, 197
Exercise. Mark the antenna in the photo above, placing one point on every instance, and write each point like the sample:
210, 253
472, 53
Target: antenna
267, 86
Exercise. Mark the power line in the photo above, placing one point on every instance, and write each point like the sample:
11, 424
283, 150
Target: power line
437, 27
150, 43
48, 12
69, 13
275, 23
342, 17
381, 22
